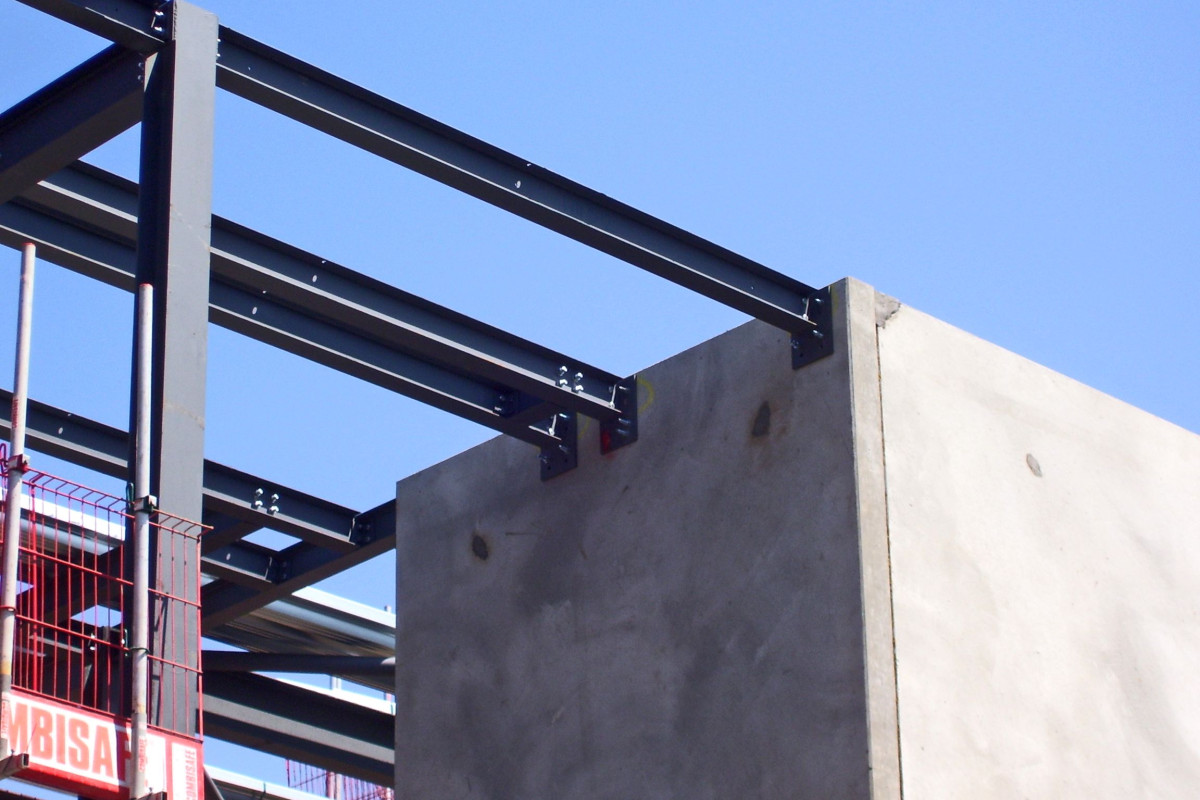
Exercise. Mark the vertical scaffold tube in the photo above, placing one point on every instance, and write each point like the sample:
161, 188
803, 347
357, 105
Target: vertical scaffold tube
17, 465
143, 507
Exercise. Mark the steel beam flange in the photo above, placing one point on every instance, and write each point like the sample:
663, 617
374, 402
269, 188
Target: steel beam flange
811, 345
616, 433
555, 459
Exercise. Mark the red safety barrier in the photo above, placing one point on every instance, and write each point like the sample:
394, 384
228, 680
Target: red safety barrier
315, 780
74, 596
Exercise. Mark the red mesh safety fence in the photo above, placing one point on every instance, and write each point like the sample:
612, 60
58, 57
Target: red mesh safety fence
74, 602
315, 780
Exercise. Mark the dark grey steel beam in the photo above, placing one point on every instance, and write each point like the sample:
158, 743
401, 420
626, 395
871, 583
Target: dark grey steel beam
308, 663
324, 525
69, 118
370, 121
130, 23
475, 371
291, 722
243, 563
76, 245
248, 260
370, 309
360, 117
300, 565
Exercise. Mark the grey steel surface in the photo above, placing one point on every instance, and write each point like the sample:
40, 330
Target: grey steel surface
127, 22
338, 537
229, 494
278, 294
289, 721
312, 621
175, 213
365, 119
375, 534
69, 118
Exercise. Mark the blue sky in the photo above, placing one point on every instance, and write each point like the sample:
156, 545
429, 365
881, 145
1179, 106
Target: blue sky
1029, 172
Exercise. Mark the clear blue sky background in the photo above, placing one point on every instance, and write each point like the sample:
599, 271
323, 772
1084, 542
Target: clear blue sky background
1027, 171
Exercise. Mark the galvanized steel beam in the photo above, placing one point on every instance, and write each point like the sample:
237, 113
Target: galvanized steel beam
69, 118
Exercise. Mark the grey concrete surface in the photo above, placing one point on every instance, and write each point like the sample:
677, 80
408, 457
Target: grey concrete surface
680, 619
1045, 543
923, 568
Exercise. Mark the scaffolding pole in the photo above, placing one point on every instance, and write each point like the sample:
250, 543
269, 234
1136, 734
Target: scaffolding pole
143, 507
17, 464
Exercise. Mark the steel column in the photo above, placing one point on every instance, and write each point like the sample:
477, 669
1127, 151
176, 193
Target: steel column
175, 217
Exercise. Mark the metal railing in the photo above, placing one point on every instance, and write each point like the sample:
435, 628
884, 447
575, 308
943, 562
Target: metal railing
74, 604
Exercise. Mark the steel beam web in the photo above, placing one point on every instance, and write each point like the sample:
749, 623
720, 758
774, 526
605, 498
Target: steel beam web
368, 120
343, 319
365, 119
69, 118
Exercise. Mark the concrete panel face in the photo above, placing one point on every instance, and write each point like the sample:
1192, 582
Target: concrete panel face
1045, 569
682, 618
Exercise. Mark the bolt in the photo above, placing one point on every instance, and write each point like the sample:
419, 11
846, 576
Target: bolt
817, 301
817, 334
274, 507
258, 503
795, 344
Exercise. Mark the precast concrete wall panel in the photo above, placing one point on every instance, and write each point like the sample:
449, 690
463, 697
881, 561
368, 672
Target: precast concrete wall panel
1045, 544
922, 567
682, 618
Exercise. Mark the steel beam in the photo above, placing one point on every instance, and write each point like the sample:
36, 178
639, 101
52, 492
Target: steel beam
307, 663
365, 119
301, 565
227, 491
305, 725
370, 121
130, 23
265, 289
75, 244
69, 118
314, 287
324, 526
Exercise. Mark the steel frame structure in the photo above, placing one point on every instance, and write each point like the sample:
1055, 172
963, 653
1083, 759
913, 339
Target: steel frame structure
162, 70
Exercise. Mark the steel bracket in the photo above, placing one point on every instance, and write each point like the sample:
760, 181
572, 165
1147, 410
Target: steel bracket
816, 342
616, 433
555, 459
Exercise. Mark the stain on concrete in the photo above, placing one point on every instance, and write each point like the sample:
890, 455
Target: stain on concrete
1033, 464
479, 547
762, 421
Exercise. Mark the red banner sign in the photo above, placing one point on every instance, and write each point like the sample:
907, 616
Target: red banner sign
88, 753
